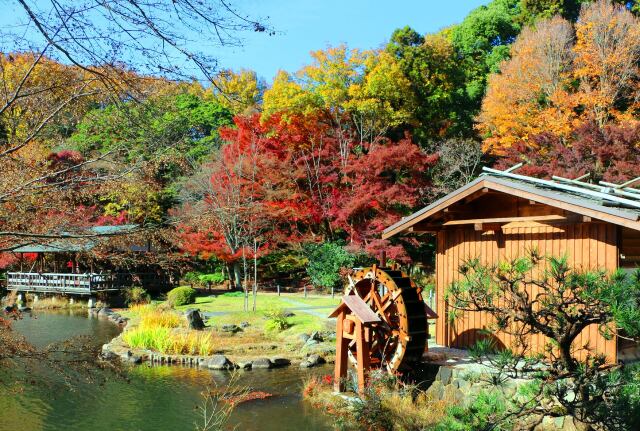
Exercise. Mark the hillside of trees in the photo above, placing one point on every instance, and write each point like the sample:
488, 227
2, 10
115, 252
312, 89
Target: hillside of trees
324, 158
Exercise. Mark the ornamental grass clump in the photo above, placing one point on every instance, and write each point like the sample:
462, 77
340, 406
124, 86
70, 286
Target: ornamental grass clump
171, 342
161, 319
388, 404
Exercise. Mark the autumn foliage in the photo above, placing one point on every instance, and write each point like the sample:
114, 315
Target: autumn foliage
281, 181
562, 75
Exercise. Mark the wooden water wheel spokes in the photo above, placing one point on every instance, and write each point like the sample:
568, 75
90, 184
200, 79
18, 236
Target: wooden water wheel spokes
399, 340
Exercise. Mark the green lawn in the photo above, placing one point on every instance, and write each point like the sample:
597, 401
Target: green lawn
265, 302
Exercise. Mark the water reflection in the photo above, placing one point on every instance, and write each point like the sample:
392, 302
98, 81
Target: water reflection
154, 398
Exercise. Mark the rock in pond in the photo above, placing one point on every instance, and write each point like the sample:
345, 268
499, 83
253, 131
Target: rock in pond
219, 362
244, 365
312, 360
280, 362
194, 319
261, 363
288, 314
104, 312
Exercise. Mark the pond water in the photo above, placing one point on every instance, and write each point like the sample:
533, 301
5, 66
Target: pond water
154, 398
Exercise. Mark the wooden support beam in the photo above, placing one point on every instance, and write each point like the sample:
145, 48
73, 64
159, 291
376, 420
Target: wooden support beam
362, 349
340, 371
543, 218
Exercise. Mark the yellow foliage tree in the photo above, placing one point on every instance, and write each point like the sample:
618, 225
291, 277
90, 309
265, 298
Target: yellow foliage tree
361, 91
557, 79
240, 92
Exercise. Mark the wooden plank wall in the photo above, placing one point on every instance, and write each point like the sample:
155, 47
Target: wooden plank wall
630, 248
589, 245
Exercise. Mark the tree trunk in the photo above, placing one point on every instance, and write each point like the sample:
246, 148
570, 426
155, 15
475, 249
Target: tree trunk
246, 282
237, 281
255, 273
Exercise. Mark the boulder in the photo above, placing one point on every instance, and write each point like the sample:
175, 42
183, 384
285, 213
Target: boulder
280, 362
104, 312
107, 353
230, 328
436, 390
312, 361
444, 375
316, 336
134, 359
261, 363
244, 365
288, 314
194, 319
304, 337
219, 362
244, 325
316, 359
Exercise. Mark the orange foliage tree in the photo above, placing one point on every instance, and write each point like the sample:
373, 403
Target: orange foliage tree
560, 76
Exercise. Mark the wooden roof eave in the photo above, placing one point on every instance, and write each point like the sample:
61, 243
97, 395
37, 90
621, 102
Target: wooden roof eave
408, 223
437, 206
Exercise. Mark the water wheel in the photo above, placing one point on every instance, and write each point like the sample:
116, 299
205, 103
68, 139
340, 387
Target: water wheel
400, 340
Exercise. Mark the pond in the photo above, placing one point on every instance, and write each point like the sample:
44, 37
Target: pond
154, 398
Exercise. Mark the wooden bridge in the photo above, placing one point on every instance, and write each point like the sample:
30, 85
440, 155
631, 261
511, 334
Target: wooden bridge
79, 284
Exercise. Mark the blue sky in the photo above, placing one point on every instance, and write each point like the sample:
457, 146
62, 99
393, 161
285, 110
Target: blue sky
307, 25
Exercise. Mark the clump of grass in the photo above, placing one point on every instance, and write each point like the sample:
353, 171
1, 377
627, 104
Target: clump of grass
164, 340
161, 319
388, 404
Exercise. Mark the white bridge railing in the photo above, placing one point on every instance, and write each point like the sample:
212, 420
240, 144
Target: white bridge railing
63, 283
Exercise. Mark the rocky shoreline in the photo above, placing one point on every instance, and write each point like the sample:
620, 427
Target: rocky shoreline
118, 349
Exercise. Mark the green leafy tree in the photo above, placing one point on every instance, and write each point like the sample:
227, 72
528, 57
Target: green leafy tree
181, 124
534, 295
482, 41
431, 66
326, 261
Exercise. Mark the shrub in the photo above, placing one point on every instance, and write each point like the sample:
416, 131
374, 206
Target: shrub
276, 320
136, 295
183, 295
485, 410
213, 278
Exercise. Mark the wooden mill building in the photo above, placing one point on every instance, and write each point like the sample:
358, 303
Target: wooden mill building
501, 215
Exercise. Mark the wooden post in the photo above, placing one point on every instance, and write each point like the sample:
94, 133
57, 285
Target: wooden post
363, 356
278, 286
305, 290
383, 259
340, 371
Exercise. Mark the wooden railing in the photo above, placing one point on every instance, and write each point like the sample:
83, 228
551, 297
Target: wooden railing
82, 283
63, 283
